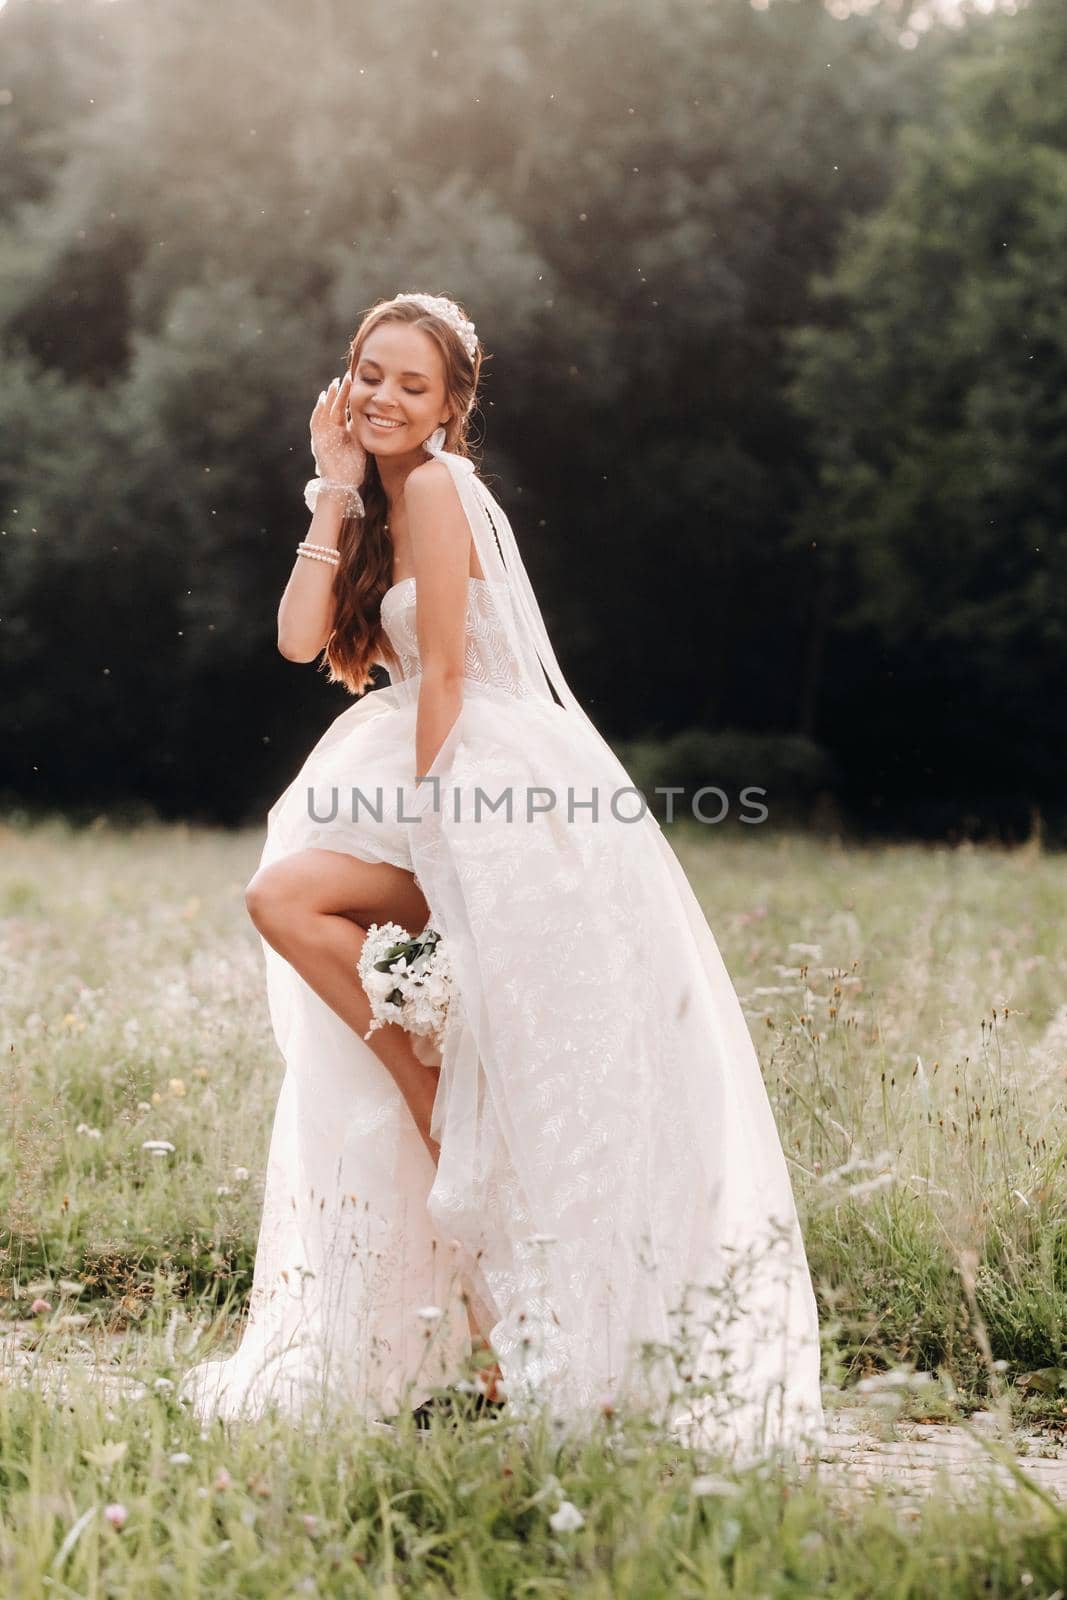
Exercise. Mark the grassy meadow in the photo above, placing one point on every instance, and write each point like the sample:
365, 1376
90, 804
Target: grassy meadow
909, 1004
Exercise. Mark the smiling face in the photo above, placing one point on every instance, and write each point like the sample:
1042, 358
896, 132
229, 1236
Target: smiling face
398, 391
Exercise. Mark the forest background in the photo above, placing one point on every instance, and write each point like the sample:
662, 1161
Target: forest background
774, 296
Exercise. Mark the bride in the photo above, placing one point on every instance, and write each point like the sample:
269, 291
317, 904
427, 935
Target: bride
583, 1178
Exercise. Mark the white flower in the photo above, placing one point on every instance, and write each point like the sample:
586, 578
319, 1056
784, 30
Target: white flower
566, 1519
90, 1133
711, 1484
416, 989
241, 1174
897, 1378
223, 1188
430, 1313
158, 1147
872, 1185
163, 1385
181, 1458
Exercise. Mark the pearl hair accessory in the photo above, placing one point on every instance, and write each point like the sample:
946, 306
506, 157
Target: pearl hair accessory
441, 306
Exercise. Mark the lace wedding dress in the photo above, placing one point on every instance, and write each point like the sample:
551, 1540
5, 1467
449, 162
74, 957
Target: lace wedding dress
612, 1192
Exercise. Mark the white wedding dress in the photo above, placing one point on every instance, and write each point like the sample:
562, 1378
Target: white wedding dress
612, 1191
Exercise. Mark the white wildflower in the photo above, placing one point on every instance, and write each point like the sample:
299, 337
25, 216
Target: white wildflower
884, 1180
566, 1519
711, 1484
158, 1147
181, 1458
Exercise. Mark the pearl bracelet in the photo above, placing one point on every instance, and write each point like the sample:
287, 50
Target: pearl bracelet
353, 499
319, 552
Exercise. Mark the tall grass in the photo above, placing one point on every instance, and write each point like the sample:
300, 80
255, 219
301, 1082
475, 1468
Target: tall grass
908, 1006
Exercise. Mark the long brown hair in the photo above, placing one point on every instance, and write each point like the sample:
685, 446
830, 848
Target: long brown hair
365, 570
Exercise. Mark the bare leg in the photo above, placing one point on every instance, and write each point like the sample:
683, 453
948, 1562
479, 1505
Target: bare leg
314, 908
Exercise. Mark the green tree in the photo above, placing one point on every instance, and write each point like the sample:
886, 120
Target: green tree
935, 391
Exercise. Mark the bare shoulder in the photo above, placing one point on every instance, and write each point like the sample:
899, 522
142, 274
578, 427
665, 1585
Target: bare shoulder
429, 478
436, 518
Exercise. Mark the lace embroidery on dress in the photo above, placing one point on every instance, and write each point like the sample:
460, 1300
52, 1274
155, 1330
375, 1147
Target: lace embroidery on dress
486, 657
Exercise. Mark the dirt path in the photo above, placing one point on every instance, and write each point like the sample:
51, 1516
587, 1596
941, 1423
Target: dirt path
926, 1456
916, 1459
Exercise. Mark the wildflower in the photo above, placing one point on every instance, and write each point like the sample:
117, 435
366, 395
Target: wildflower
107, 1454
241, 1174
176, 1086
158, 1147
223, 1189
710, 1484
181, 1458
896, 1378
144, 1105
39, 1306
310, 1522
607, 1404
163, 1385
882, 1181
116, 1514
566, 1518
90, 1133
222, 1479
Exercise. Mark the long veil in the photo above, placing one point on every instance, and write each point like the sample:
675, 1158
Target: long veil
611, 1172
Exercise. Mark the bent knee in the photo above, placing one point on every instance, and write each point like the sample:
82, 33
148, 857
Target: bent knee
266, 898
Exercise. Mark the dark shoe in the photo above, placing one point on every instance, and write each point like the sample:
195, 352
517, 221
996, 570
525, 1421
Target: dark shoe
454, 1403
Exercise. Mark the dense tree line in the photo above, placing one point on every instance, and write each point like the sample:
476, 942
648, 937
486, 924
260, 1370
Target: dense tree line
776, 320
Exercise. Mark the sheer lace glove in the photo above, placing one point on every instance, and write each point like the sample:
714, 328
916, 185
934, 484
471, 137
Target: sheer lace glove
340, 459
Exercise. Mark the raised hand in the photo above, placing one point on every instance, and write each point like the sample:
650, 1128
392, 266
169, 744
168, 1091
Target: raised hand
338, 454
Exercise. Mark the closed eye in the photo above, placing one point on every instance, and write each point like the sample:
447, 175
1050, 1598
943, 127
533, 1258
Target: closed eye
373, 381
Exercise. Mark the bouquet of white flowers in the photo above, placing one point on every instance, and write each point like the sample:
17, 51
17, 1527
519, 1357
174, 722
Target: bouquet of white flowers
408, 980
